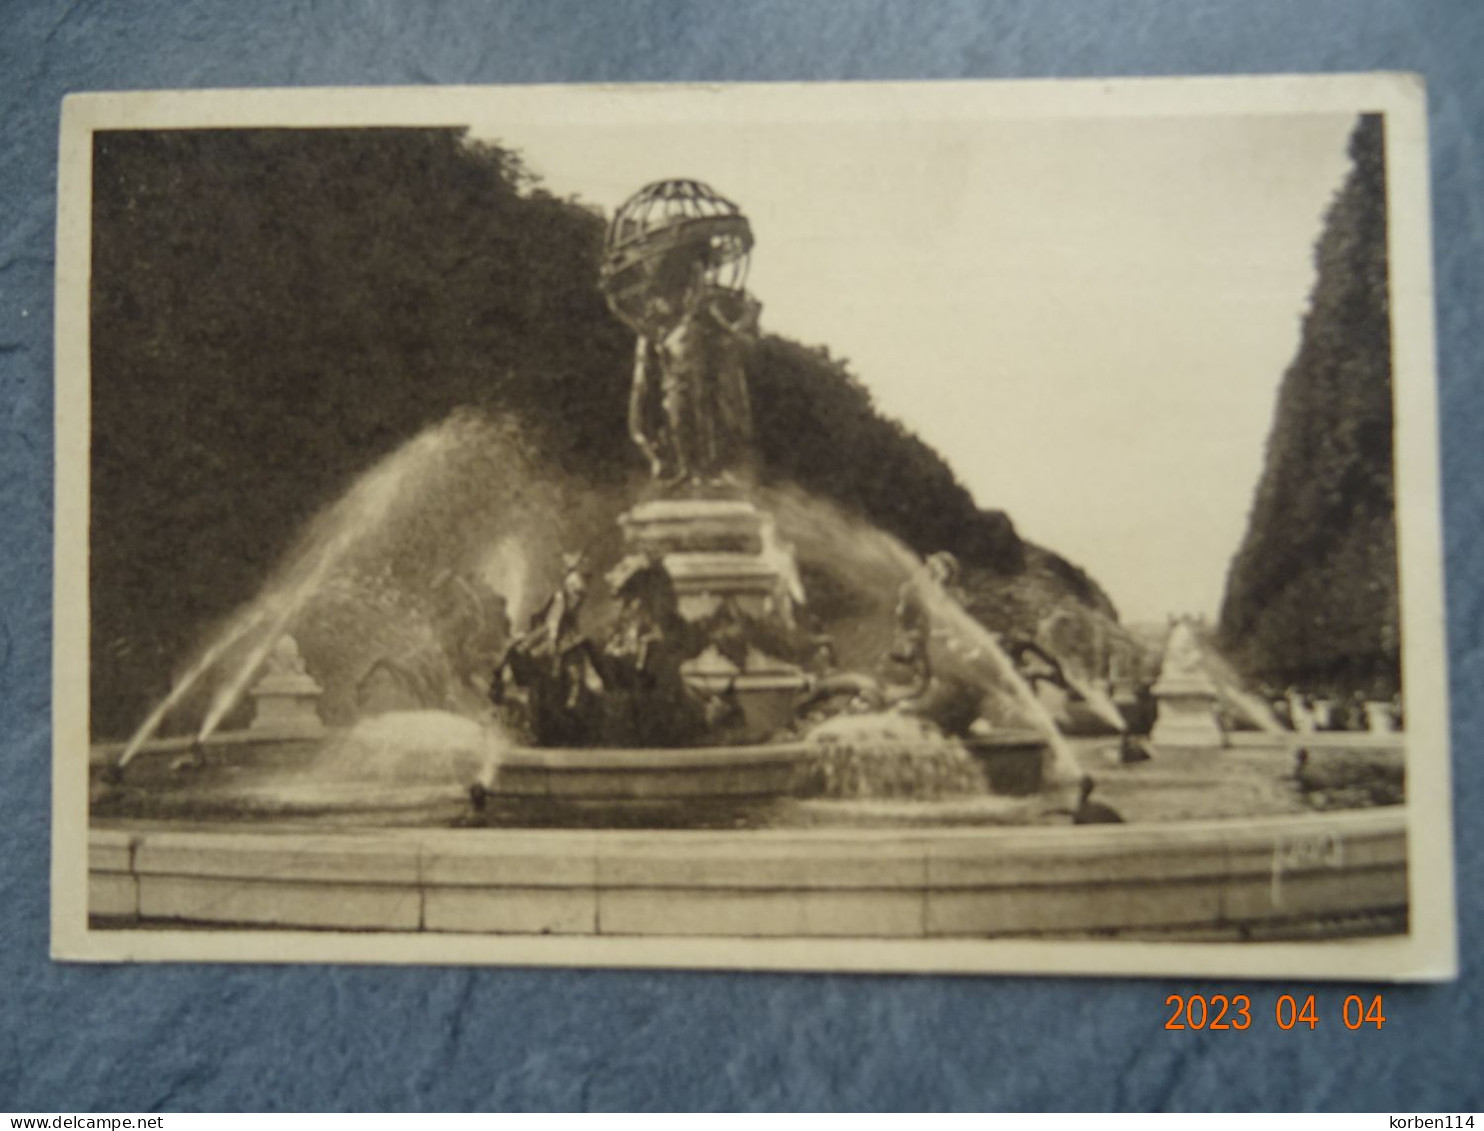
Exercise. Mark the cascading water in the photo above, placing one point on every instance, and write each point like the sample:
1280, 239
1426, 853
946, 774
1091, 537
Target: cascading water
461, 496
412, 746
977, 647
507, 569
1243, 703
399, 762
889, 755
243, 624
361, 513
868, 567
1075, 640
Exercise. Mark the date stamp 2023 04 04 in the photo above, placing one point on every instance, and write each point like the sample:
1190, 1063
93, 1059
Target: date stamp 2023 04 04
1236, 1012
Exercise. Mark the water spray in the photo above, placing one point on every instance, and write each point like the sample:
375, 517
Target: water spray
227, 640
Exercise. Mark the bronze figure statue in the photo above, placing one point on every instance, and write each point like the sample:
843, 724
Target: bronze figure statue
674, 268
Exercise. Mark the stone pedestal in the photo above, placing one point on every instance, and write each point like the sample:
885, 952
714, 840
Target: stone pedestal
1187, 717
286, 698
1186, 696
716, 549
719, 551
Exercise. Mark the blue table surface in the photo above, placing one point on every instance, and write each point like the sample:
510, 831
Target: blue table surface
144, 1038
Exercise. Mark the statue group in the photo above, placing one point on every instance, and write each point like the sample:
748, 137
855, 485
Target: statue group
674, 269
622, 687
676, 658
701, 644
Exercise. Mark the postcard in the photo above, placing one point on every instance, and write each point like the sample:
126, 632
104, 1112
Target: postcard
954, 527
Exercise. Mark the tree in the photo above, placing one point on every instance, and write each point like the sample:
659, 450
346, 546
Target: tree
1311, 596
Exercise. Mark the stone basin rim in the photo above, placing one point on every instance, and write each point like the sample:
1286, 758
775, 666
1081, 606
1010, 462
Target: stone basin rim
1381, 819
104, 753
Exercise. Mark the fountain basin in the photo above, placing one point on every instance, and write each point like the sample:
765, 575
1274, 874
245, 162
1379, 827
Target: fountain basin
598, 776
1014, 761
1303, 876
617, 775
285, 746
609, 774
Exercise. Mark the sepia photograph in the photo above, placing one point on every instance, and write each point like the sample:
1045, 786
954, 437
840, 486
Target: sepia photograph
957, 527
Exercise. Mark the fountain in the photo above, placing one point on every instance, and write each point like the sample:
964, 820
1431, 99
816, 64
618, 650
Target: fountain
434, 748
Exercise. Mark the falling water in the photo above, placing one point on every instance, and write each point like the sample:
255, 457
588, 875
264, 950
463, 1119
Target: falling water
1058, 633
976, 645
240, 628
1254, 707
1096, 699
887, 754
875, 564
507, 569
1228, 686
398, 765
413, 746
359, 513
779, 555
444, 492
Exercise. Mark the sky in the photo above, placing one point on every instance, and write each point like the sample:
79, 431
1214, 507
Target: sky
1087, 318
